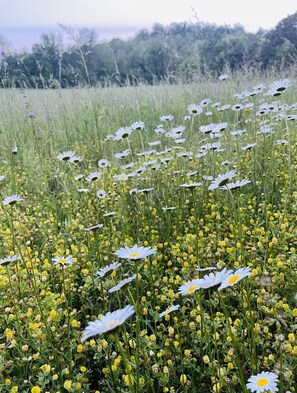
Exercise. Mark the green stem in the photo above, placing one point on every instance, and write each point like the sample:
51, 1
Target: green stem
125, 361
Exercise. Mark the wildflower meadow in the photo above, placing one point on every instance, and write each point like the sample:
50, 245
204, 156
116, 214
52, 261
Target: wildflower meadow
148, 238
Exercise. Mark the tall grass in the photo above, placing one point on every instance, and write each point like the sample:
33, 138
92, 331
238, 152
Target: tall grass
217, 339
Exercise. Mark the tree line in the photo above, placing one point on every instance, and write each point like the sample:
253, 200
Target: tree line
180, 52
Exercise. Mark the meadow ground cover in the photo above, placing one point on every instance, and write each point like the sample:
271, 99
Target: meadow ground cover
148, 238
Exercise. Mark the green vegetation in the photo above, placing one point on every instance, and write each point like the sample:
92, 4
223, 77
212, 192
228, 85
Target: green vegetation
202, 176
179, 53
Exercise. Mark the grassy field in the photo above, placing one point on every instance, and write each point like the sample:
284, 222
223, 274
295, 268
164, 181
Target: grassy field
206, 192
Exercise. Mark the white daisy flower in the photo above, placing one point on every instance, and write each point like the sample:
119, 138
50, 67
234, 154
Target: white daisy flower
2, 177
204, 269
237, 107
159, 130
189, 287
205, 102
212, 146
135, 252
123, 133
166, 208
138, 125
191, 173
10, 258
154, 143
169, 310
101, 194
75, 159
282, 142
221, 180
223, 77
238, 132
207, 129
106, 270
280, 85
94, 227
234, 278
263, 382
184, 154
109, 214
121, 177
12, 200
93, 176
202, 154
62, 260
221, 126
110, 138
133, 191
122, 284
145, 190
65, 155
191, 185
213, 279
194, 109
236, 185
103, 163
249, 146
122, 154
180, 140
224, 107
146, 153
107, 322
166, 118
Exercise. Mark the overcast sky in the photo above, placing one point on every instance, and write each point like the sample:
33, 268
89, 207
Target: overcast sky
22, 21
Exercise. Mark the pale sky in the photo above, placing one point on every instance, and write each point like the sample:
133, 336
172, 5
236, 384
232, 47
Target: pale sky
23, 21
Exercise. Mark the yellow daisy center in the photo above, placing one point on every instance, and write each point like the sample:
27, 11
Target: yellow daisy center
233, 279
62, 260
262, 382
192, 288
134, 255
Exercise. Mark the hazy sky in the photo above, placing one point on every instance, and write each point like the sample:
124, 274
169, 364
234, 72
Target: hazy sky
22, 21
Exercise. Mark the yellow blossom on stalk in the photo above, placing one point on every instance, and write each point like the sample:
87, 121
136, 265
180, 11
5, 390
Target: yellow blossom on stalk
67, 384
291, 337
35, 389
9, 334
183, 378
83, 369
53, 314
105, 371
92, 343
75, 324
14, 389
217, 387
165, 370
46, 368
